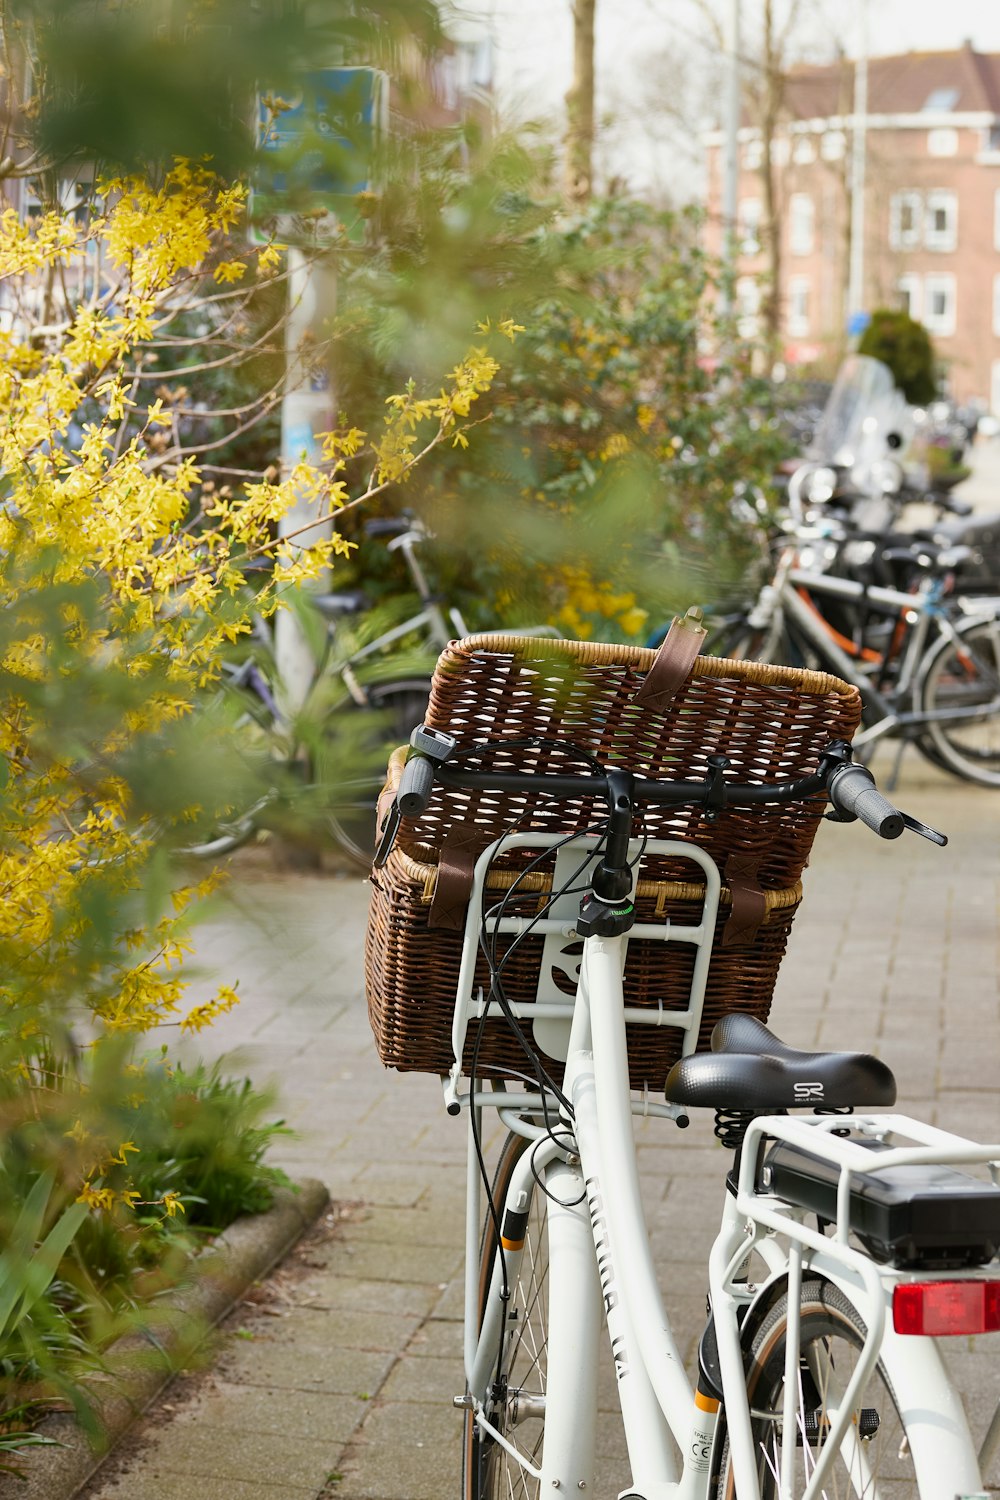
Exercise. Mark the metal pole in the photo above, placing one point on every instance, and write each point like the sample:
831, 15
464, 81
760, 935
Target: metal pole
306, 409
856, 281
730, 148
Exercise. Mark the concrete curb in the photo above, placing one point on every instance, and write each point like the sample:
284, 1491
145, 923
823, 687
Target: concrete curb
140, 1366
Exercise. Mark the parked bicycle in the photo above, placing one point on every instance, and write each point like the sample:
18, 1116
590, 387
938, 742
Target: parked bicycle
931, 676
851, 1241
368, 697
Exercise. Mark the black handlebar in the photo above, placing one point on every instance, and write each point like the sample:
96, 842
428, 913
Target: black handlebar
851, 788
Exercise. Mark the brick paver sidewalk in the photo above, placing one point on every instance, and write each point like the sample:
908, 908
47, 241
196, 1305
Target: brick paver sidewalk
341, 1385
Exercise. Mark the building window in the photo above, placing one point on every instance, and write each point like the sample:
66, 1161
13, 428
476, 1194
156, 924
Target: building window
798, 306
804, 151
802, 219
833, 145
909, 289
906, 212
941, 101
991, 138
780, 150
753, 155
748, 226
941, 220
747, 307
939, 304
942, 142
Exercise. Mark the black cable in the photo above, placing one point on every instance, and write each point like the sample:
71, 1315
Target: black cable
544, 1081
573, 1202
497, 964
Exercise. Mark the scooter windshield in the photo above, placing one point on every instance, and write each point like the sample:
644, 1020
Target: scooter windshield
864, 409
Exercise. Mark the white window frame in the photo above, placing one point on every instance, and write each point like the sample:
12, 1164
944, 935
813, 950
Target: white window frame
833, 145
944, 323
945, 239
799, 299
781, 150
801, 224
753, 155
942, 141
748, 217
912, 288
804, 151
900, 238
748, 300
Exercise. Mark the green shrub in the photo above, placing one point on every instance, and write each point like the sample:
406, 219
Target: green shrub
181, 1155
905, 346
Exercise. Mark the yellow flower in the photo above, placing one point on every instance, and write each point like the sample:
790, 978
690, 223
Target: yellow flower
100, 1198
230, 270
269, 259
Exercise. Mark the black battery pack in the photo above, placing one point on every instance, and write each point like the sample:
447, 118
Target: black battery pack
914, 1217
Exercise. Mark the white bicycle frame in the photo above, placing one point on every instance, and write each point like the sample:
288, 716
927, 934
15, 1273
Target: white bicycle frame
599, 1250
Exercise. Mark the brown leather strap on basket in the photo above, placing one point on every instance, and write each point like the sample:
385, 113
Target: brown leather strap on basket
673, 662
463, 844
749, 901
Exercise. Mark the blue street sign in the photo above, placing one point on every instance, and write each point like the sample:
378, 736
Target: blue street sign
858, 322
319, 145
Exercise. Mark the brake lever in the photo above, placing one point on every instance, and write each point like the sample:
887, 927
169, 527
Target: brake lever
387, 836
915, 826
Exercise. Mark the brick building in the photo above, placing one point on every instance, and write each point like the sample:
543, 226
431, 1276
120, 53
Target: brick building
932, 208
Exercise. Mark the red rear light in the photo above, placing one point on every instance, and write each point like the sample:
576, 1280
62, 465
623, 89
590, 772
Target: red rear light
940, 1308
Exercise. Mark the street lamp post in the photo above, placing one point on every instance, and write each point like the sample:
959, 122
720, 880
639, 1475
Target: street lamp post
856, 278
731, 128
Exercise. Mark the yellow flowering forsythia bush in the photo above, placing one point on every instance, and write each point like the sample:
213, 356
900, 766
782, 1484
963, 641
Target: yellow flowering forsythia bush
122, 578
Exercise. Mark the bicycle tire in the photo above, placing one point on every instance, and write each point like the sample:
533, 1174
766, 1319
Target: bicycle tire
228, 836
400, 707
831, 1334
963, 674
488, 1472
734, 639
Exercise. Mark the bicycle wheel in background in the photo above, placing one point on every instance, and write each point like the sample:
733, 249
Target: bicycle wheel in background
874, 1460
963, 675
735, 640
394, 709
253, 724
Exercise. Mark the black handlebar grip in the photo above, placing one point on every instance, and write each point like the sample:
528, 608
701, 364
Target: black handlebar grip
415, 786
854, 795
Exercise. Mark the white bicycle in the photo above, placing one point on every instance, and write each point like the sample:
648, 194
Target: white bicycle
851, 1240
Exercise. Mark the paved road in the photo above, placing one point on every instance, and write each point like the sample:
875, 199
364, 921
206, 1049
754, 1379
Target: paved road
340, 1384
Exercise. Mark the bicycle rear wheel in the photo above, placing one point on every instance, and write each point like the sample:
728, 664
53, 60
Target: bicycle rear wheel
962, 677
874, 1460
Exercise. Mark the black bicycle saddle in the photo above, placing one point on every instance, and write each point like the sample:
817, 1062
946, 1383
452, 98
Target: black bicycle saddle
750, 1068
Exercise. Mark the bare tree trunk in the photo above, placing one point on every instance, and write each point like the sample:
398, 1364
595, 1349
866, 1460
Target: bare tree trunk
580, 106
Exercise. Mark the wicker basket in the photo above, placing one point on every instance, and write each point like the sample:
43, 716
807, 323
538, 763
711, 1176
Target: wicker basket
771, 723
412, 969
